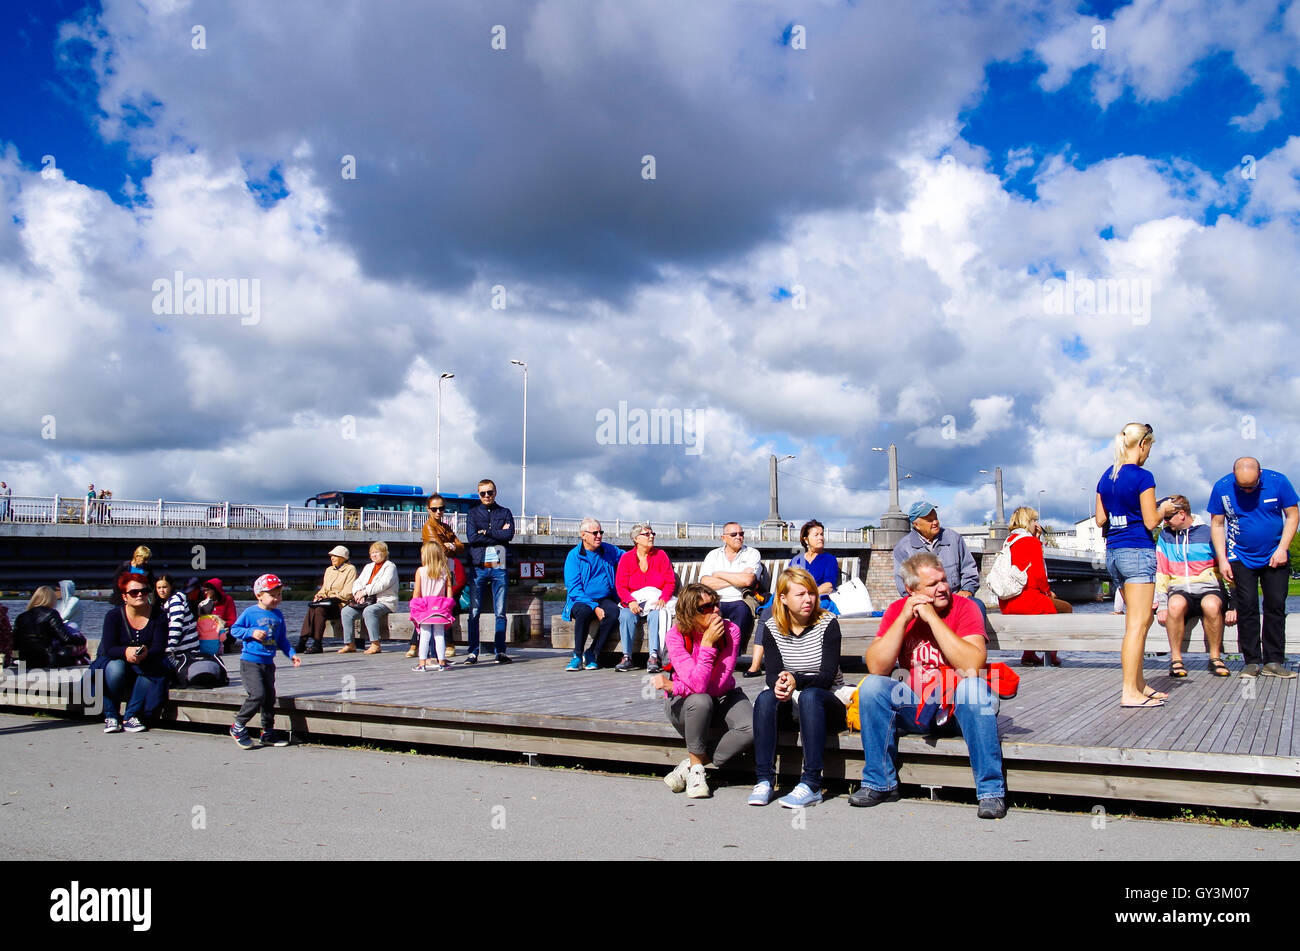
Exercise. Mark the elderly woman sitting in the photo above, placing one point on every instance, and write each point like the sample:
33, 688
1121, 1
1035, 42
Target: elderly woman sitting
374, 595
335, 589
645, 584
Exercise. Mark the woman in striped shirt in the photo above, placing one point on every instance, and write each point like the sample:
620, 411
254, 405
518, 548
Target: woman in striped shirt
182, 632
803, 672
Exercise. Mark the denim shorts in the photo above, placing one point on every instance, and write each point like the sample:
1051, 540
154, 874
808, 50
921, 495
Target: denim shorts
1131, 565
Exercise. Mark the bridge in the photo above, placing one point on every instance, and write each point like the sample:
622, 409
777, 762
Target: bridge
44, 538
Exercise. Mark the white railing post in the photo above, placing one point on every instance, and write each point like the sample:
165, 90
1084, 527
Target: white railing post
159, 520
286, 516
54, 515
85, 510
225, 514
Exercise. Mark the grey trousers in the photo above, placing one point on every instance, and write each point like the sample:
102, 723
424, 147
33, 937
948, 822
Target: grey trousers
691, 716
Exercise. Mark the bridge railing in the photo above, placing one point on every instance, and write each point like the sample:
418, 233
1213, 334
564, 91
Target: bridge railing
162, 513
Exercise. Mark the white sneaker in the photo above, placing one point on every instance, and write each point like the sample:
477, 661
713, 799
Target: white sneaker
676, 780
113, 725
697, 787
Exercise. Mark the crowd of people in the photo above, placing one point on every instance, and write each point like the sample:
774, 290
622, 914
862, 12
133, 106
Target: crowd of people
935, 633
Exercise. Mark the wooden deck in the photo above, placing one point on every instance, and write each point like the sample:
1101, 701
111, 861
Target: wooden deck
1218, 742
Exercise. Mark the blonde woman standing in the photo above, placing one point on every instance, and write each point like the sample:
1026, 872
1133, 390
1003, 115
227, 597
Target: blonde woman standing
1127, 513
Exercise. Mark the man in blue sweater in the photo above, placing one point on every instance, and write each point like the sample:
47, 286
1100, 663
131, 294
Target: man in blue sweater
589, 572
491, 527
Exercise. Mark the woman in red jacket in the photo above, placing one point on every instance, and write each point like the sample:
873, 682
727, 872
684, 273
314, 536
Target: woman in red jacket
1036, 598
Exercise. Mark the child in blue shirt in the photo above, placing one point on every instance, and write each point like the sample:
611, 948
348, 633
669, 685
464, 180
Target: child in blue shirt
261, 630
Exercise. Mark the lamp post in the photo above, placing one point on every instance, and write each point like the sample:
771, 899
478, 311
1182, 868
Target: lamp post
437, 478
523, 489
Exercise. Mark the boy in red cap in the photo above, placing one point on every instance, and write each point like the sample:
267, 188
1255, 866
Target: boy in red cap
261, 630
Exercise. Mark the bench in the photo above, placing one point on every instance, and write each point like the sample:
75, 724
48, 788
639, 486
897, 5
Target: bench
400, 628
688, 572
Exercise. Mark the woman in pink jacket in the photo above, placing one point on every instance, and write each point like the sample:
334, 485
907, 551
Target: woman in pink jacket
703, 648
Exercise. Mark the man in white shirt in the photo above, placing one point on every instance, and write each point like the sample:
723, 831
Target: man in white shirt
730, 569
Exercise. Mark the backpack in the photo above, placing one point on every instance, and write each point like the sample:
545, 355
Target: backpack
196, 668
1005, 580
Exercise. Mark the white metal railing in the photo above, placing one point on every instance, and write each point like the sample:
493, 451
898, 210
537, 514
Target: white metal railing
28, 509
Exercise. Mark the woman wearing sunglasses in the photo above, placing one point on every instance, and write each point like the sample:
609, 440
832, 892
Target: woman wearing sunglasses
133, 656
645, 583
702, 692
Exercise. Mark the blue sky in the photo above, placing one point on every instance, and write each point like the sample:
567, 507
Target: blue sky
869, 168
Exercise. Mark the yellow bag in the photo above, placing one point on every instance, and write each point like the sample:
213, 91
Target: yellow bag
851, 714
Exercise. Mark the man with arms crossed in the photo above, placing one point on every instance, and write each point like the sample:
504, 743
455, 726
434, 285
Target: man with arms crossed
491, 527
728, 570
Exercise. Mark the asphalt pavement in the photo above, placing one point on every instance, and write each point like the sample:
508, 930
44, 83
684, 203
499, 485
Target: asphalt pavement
72, 793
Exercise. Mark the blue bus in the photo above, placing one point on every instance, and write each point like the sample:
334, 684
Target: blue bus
384, 497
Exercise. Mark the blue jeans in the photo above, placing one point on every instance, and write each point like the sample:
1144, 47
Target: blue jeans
145, 694
627, 629
888, 706
1131, 565
483, 576
370, 616
817, 712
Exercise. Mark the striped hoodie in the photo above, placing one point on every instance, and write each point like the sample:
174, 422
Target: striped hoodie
1185, 562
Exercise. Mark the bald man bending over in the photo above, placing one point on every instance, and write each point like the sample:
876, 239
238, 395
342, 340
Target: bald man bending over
1253, 517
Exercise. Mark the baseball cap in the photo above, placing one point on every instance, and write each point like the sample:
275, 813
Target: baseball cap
266, 583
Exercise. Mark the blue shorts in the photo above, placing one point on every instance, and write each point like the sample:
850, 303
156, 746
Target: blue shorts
1131, 565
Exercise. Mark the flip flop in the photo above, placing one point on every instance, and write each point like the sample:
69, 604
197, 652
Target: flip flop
1218, 667
1153, 694
1145, 704
1177, 669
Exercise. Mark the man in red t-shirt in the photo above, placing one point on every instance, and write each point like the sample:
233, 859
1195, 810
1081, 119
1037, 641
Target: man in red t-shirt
922, 634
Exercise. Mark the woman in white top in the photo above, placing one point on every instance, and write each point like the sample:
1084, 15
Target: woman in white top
433, 579
374, 595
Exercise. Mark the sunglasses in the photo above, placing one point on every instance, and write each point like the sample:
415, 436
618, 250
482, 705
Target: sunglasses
439, 508
136, 592
650, 533
709, 608
733, 534
599, 531
486, 495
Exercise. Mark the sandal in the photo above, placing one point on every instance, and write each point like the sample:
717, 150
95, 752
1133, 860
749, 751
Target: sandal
1148, 703
1218, 668
1176, 669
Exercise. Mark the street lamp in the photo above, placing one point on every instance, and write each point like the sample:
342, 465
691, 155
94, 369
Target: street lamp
437, 479
523, 490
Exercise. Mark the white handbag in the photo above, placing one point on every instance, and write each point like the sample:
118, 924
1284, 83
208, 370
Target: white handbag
852, 597
1005, 580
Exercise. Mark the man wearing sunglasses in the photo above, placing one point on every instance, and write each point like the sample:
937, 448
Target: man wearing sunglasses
491, 527
1253, 517
589, 578
729, 570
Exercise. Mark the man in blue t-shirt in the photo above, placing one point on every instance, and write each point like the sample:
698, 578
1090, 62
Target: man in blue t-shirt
1253, 517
